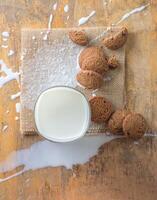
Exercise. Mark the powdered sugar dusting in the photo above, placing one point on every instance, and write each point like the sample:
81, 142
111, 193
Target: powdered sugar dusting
56, 69
107, 78
84, 20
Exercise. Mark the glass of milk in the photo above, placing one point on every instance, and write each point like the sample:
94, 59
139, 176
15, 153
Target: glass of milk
62, 114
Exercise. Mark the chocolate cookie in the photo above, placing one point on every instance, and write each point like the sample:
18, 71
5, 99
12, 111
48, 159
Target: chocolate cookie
116, 40
89, 79
134, 125
92, 51
113, 62
79, 37
101, 109
116, 121
95, 63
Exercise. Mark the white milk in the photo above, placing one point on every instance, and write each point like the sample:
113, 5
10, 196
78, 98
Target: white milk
62, 114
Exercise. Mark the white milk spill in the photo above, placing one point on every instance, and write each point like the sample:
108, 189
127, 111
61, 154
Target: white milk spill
5, 127
84, 20
5, 34
62, 114
55, 6
53, 154
4, 46
10, 52
10, 75
124, 17
16, 118
14, 96
45, 37
128, 14
66, 8
4, 39
50, 21
18, 106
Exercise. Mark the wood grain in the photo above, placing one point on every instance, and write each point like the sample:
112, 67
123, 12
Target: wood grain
121, 170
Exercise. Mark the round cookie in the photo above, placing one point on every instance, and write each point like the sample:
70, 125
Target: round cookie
89, 79
96, 54
134, 125
113, 62
101, 109
78, 37
116, 121
116, 40
95, 63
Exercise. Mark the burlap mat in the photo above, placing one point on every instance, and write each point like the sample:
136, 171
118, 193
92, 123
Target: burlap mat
49, 58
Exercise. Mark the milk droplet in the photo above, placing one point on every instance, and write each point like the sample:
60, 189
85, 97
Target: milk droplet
83, 20
4, 128
16, 118
18, 107
4, 46
11, 52
14, 96
66, 8
5, 34
10, 75
55, 6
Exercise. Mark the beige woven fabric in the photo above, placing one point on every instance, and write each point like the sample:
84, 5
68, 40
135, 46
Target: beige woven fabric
49, 58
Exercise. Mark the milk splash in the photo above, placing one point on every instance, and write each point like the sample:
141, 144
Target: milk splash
66, 8
50, 21
10, 75
83, 20
18, 107
55, 6
124, 17
11, 52
5, 127
135, 10
53, 154
5, 34
14, 96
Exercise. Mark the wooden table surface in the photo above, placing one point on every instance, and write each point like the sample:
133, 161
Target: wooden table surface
121, 170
